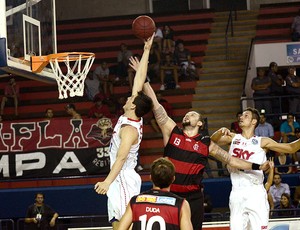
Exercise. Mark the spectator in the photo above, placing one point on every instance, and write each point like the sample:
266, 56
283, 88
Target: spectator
71, 110
11, 95
277, 189
283, 164
167, 106
40, 215
288, 134
99, 109
49, 114
264, 129
123, 61
285, 203
293, 88
92, 85
277, 87
168, 73
262, 89
297, 196
119, 106
234, 127
287, 129
168, 39
106, 80
295, 28
131, 72
158, 38
154, 62
183, 59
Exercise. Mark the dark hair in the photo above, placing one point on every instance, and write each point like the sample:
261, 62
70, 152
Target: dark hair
162, 172
238, 113
70, 106
39, 193
255, 115
143, 104
289, 199
48, 109
272, 64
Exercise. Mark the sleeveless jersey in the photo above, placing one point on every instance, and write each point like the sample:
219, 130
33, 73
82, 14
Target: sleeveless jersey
249, 150
156, 209
189, 155
131, 160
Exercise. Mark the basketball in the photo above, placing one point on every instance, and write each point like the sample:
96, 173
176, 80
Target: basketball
143, 27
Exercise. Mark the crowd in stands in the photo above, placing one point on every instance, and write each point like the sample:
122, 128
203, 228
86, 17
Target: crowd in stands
170, 62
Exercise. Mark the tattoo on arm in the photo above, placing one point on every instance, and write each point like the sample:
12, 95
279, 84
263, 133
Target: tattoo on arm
222, 155
161, 115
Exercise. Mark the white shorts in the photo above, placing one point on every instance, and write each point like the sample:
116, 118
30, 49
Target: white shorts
249, 208
125, 186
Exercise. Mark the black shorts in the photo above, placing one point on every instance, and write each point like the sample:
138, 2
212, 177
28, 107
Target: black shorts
195, 200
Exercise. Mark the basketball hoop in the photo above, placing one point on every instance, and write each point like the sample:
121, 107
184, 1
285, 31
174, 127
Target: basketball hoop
70, 78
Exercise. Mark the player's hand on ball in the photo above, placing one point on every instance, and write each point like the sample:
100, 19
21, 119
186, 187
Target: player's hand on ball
148, 42
101, 187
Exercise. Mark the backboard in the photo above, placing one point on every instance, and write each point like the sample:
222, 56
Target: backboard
29, 29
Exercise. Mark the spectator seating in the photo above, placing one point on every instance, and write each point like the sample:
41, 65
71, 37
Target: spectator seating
274, 22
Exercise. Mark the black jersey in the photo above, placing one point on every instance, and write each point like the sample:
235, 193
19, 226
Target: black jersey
157, 210
190, 156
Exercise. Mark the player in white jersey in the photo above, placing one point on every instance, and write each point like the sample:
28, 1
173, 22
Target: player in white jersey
123, 182
249, 208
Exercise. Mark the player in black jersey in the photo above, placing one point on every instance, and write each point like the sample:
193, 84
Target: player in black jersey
189, 150
158, 208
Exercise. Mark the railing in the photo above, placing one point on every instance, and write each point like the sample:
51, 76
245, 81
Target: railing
229, 23
66, 222
247, 66
279, 102
7, 224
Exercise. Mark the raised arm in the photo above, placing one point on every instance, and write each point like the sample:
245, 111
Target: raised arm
165, 123
270, 176
141, 72
287, 148
221, 155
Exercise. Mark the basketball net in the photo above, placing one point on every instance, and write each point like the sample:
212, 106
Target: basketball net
69, 77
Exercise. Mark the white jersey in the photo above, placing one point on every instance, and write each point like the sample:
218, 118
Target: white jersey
249, 150
128, 182
115, 142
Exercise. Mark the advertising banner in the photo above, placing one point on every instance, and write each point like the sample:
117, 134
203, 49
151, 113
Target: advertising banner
60, 147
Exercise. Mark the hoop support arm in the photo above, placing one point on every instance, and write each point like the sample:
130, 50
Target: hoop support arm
38, 63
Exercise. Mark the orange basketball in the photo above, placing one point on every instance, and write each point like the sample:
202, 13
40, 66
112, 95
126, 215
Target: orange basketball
143, 27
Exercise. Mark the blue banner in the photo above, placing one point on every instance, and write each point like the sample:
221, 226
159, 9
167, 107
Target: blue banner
293, 53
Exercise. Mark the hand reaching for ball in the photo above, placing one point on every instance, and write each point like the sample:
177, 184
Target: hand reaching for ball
148, 42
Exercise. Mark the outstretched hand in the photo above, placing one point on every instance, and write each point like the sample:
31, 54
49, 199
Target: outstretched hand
134, 63
148, 42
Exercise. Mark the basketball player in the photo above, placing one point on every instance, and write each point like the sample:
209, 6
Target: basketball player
122, 181
189, 150
249, 208
158, 208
